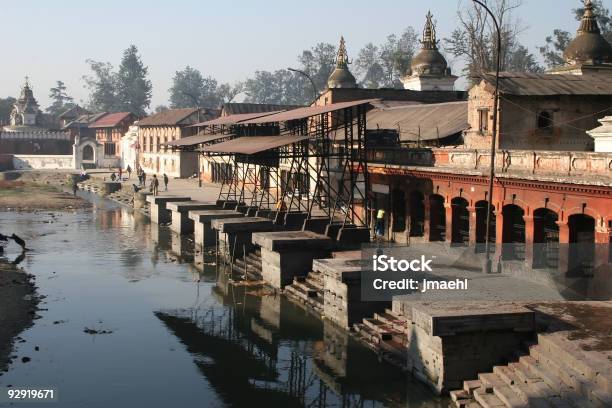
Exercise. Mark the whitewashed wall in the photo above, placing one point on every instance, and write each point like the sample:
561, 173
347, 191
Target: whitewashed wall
40, 162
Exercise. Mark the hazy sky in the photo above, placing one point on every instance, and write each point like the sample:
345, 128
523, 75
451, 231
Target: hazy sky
229, 40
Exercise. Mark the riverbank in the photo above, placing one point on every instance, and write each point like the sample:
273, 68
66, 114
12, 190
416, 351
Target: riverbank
31, 191
18, 303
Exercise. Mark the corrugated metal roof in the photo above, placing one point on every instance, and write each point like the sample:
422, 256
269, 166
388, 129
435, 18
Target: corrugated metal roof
303, 113
173, 117
232, 108
197, 139
111, 120
527, 84
252, 144
232, 119
421, 122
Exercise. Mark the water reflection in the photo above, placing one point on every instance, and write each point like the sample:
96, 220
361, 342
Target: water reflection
225, 345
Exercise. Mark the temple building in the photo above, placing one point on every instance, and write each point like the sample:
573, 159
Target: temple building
429, 69
28, 136
341, 77
550, 111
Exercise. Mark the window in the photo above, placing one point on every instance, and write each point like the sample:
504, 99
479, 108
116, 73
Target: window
109, 149
483, 120
545, 121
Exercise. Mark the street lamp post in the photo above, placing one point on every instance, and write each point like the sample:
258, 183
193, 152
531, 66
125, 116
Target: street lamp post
488, 262
314, 87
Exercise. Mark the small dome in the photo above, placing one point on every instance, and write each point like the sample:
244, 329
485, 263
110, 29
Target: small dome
341, 77
429, 61
589, 46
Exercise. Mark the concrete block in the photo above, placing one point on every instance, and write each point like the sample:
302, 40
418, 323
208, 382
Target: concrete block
181, 223
317, 225
204, 234
159, 213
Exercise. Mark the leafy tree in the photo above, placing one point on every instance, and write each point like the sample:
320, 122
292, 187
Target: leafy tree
475, 40
278, 87
6, 106
102, 87
60, 99
368, 67
319, 62
191, 89
133, 88
555, 44
396, 55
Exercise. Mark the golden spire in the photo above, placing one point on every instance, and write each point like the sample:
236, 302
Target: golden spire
429, 41
342, 56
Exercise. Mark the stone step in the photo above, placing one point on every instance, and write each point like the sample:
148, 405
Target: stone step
565, 380
570, 355
384, 331
536, 390
393, 321
487, 400
369, 336
502, 390
307, 288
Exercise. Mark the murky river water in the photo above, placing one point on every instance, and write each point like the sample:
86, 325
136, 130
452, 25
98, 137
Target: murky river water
179, 335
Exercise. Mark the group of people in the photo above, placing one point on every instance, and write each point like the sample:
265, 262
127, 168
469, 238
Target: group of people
154, 183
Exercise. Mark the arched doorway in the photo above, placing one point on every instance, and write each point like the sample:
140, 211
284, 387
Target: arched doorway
460, 234
582, 245
545, 239
88, 153
437, 218
417, 214
513, 234
399, 210
481, 225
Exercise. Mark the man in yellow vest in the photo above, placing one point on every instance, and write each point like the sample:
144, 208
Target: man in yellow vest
380, 222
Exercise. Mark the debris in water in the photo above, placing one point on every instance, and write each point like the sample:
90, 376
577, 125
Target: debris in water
25, 359
93, 331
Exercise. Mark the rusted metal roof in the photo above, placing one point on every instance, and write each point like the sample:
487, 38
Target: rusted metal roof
421, 122
198, 139
252, 144
174, 117
527, 84
238, 108
303, 113
112, 120
232, 119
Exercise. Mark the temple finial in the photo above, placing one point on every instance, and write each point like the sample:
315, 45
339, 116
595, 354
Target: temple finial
429, 40
342, 56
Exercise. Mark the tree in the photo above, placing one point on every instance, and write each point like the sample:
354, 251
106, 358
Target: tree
60, 101
6, 106
133, 88
475, 40
102, 87
385, 65
278, 87
227, 92
319, 62
191, 89
160, 108
555, 44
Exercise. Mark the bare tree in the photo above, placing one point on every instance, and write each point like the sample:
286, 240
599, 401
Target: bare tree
475, 40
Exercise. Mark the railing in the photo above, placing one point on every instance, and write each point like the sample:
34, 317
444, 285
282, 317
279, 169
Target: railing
542, 162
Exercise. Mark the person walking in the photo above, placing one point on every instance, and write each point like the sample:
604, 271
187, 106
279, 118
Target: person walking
139, 178
144, 178
75, 187
380, 223
129, 171
155, 185
120, 174
165, 182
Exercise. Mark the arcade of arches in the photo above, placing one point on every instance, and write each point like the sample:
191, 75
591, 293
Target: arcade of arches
538, 218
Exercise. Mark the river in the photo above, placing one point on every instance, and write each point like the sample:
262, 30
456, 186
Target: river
130, 319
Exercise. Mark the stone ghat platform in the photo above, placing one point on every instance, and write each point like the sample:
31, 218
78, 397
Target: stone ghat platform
569, 364
443, 344
235, 234
287, 254
204, 234
159, 213
181, 223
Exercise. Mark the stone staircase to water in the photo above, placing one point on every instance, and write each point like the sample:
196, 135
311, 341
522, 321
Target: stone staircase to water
307, 290
249, 267
550, 373
387, 334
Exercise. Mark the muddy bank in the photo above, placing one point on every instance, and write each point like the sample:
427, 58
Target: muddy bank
18, 304
31, 191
